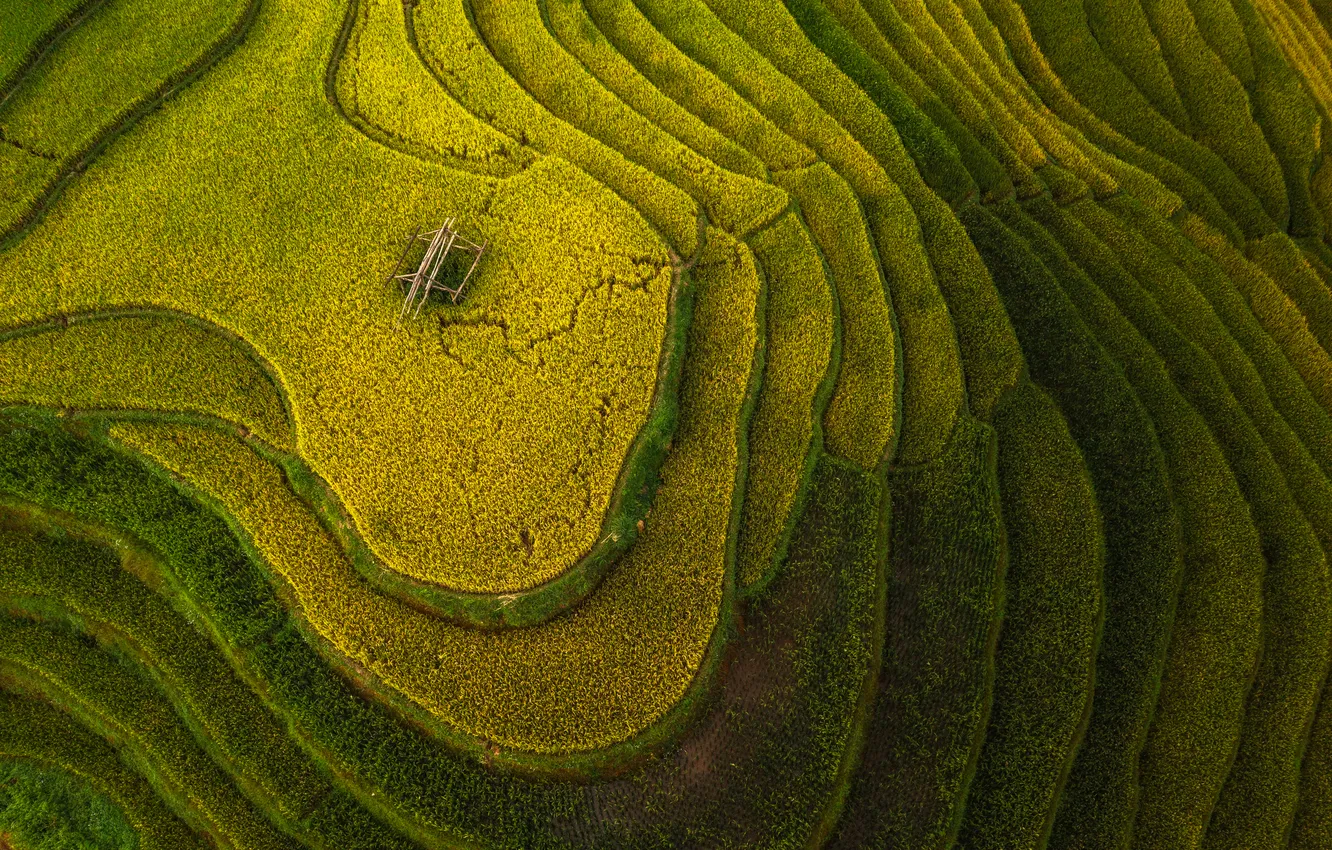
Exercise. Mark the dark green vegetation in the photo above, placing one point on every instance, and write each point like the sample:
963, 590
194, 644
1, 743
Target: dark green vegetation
875, 424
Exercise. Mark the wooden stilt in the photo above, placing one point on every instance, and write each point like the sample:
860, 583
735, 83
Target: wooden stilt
426, 277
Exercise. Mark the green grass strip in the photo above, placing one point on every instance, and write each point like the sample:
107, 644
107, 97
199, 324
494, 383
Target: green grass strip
1046, 653
415, 784
41, 735
925, 729
1142, 534
440, 798
575, 684
802, 355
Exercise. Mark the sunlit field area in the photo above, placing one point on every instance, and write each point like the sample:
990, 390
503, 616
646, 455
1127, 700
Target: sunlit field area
542, 424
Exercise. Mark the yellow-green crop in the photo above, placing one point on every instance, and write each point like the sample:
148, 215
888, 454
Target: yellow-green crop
541, 378
152, 362
801, 354
593, 678
382, 83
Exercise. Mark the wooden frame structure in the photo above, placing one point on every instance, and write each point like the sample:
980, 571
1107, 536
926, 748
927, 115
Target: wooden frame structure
425, 279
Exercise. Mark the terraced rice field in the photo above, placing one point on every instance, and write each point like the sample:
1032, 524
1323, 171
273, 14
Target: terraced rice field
870, 424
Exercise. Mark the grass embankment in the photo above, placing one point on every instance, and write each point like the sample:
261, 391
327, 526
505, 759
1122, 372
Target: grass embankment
171, 367
428, 787
415, 784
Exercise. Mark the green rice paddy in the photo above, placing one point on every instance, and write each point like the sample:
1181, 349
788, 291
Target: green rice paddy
870, 424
